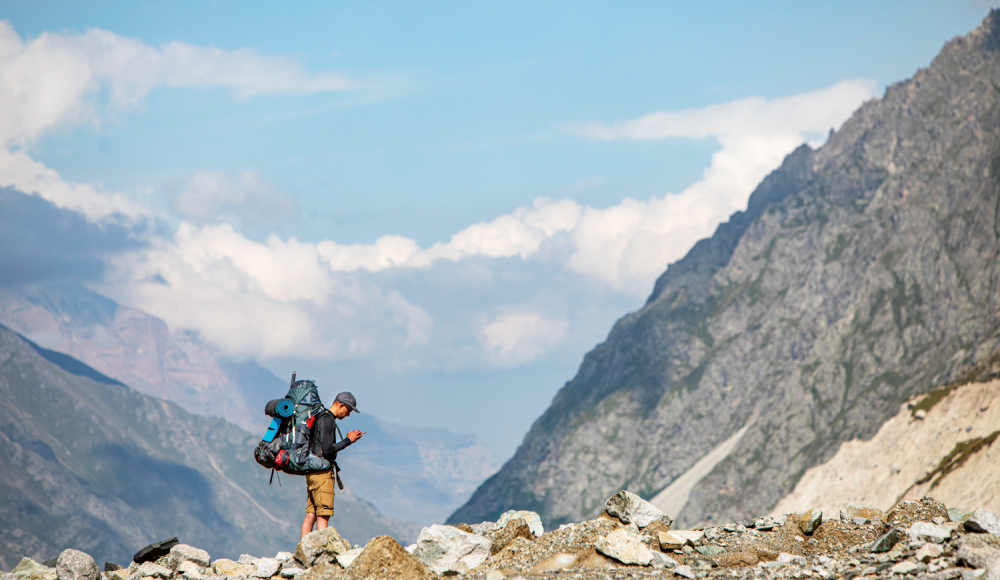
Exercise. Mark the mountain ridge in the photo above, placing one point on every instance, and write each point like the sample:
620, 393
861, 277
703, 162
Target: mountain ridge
865, 274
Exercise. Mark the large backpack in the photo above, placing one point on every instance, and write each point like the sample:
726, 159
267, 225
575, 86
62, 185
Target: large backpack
286, 445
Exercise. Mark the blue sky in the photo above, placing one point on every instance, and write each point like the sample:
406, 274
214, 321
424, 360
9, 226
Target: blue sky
268, 150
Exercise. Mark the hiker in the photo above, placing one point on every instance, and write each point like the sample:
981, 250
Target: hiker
320, 486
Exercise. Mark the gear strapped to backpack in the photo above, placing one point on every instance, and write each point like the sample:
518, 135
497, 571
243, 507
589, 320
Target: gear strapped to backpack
286, 444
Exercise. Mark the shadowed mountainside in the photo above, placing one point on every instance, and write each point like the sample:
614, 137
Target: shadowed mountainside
96, 466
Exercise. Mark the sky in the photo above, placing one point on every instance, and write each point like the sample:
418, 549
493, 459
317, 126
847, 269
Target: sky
439, 206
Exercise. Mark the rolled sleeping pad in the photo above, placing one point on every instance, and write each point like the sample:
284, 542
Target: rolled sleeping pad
279, 408
285, 408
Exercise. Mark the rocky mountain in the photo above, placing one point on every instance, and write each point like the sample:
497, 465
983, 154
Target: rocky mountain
94, 465
861, 274
418, 475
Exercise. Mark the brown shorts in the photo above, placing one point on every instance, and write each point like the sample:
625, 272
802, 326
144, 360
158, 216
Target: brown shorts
320, 496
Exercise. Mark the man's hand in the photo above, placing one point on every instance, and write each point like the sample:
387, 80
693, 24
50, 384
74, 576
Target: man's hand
355, 435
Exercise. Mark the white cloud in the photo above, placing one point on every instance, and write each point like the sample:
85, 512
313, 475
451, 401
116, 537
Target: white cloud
216, 196
287, 297
47, 81
519, 337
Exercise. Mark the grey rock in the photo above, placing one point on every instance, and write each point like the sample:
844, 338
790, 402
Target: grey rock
625, 546
247, 560
267, 567
908, 567
154, 570
780, 520
661, 560
185, 553
972, 574
449, 550
28, 569
684, 571
927, 532
483, 528
710, 550
958, 515
809, 521
630, 508
189, 569
283, 556
983, 521
290, 571
886, 541
320, 546
76, 565
349, 556
533, 520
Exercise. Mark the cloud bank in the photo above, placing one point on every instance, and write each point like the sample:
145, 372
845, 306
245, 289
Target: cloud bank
480, 298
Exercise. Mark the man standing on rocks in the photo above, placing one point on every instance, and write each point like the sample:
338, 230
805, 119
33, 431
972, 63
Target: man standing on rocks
321, 486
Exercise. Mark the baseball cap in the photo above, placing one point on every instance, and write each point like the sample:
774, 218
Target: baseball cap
349, 400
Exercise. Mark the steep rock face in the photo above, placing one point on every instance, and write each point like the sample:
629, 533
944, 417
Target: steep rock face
861, 274
93, 465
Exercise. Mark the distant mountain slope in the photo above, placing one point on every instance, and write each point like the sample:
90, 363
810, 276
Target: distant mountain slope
418, 475
140, 351
861, 274
99, 467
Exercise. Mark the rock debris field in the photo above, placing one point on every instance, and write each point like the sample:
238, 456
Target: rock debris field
631, 539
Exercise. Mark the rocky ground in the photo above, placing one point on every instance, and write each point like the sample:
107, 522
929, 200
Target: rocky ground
631, 539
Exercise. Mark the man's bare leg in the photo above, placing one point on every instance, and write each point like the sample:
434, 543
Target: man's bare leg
322, 522
307, 524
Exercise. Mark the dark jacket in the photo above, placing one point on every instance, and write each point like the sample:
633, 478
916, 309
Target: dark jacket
323, 438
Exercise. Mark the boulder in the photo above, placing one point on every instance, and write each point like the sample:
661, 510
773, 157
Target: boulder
154, 551
907, 567
533, 520
185, 553
76, 565
958, 514
983, 521
849, 512
928, 532
266, 567
809, 521
980, 552
928, 552
348, 557
448, 550
149, 569
629, 508
28, 569
625, 546
661, 560
189, 569
886, 541
226, 567
710, 550
384, 559
514, 529
322, 545
483, 528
